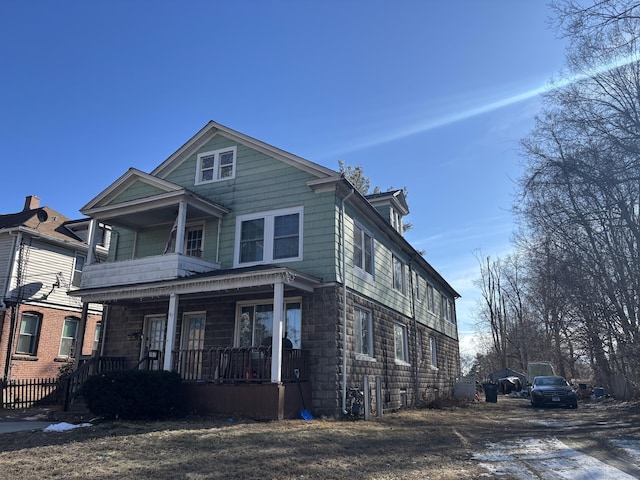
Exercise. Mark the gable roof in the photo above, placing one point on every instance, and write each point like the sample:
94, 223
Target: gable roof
43, 222
212, 129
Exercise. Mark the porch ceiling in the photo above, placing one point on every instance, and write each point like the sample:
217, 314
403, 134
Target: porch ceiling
219, 281
156, 210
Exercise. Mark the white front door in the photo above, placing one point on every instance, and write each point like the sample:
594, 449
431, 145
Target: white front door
153, 343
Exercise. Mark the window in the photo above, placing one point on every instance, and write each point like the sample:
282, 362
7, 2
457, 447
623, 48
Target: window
362, 249
255, 323
29, 330
446, 312
96, 336
269, 237
434, 352
399, 272
363, 331
78, 266
400, 342
396, 221
193, 241
419, 289
69, 332
431, 302
216, 165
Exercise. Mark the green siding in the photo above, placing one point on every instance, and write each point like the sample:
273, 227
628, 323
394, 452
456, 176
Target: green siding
136, 191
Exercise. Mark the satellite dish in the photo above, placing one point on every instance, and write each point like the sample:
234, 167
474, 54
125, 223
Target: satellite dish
42, 215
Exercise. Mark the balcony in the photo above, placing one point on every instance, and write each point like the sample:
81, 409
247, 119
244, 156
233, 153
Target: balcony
142, 270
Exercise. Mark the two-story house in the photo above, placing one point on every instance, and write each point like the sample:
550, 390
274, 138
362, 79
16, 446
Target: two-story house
248, 269
42, 254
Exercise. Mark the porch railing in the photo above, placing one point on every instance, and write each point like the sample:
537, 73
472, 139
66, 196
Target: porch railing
239, 364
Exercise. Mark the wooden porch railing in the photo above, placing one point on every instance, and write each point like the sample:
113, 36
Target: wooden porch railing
239, 364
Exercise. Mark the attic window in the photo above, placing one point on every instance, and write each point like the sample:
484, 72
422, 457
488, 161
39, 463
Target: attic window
216, 165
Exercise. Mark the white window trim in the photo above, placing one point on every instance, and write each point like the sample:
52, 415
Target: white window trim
365, 356
74, 340
433, 353
216, 165
360, 271
269, 217
431, 298
403, 274
194, 226
255, 303
405, 344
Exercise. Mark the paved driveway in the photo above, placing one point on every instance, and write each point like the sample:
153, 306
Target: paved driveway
22, 425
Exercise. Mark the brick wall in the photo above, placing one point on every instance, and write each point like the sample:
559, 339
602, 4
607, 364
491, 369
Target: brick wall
46, 362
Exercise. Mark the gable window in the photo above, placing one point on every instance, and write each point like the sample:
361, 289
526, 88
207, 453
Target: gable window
268, 237
193, 241
216, 165
69, 333
434, 352
78, 266
254, 325
363, 331
400, 342
399, 274
362, 249
29, 331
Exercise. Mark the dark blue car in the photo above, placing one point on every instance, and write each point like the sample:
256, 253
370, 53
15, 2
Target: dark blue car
552, 390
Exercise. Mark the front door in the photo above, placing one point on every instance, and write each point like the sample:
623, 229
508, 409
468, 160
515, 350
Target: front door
153, 343
192, 344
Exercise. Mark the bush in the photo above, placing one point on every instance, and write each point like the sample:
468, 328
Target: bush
134, 394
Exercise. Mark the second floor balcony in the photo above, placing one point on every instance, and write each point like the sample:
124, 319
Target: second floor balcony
141, 270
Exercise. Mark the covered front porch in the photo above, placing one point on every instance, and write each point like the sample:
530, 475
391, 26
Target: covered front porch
227, 332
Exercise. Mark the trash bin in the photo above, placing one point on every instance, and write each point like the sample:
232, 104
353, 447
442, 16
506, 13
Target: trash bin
490, 392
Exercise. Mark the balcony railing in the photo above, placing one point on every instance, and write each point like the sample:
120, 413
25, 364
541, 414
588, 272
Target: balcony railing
239, 364
146, 269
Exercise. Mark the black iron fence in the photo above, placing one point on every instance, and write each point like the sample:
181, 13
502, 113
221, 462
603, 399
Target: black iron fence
27, 393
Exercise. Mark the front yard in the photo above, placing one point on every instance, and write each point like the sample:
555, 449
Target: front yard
445, 443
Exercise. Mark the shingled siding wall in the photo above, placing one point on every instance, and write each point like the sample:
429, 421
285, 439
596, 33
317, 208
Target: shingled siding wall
413, 383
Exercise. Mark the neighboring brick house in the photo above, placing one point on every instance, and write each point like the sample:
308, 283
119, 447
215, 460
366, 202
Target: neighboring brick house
42, 254
232, 250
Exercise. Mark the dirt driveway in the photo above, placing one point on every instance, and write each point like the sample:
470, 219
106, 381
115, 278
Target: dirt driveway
508, 440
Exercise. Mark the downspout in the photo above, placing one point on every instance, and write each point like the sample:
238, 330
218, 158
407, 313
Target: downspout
416, 385
218, 240
16, 266
344, 307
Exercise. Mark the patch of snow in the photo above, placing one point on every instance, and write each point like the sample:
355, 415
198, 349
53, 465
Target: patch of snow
64, 426
547, 458
631, 448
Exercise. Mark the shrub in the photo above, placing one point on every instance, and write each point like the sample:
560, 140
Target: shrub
134, 394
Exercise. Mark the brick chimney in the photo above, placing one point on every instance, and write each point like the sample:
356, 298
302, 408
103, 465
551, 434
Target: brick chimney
31, 202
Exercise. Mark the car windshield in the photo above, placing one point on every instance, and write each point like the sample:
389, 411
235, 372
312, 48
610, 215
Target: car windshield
550, 381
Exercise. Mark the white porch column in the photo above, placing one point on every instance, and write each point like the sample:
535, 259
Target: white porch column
278, 332
170, 340
93, 228
180, 227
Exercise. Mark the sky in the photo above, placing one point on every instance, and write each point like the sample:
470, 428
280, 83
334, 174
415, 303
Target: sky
429, 95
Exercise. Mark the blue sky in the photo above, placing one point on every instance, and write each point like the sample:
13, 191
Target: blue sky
430, 95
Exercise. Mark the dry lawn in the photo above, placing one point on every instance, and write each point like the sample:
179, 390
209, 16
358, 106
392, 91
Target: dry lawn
413, 444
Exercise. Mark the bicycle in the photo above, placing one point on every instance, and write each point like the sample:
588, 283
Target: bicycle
355, 403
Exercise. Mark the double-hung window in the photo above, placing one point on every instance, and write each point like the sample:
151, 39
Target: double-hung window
78, 266
433, 352
69, 333
363, 332
431, 302
400, 342
399, 275
362, 249
193, 241
216, 165
269, 237
29, 330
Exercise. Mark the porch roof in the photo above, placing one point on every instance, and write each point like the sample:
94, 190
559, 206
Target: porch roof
214, 281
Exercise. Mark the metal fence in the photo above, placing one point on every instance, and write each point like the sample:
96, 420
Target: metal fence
31, 392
